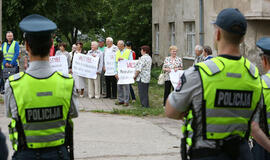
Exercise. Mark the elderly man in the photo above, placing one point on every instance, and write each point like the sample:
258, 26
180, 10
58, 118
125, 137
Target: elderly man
198, 52
123, 89
11, 51
111, 86
94, 84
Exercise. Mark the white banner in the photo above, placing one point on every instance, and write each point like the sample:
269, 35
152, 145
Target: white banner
85, 66
126, 71
109, 64
175, 77
59, 63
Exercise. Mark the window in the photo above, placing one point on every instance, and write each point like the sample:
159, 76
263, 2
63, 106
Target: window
156, 38
172, 33
190, 37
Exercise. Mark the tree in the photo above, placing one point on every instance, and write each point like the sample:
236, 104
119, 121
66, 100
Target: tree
69, 15
130, 20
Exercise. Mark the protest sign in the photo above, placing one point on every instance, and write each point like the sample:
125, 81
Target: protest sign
126, 71
175, 77
85, 66
59, 63
109, 63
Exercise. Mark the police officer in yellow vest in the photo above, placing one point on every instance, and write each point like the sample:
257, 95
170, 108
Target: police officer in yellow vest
40, 101
261, 140
10, 50
122, 89
218, 97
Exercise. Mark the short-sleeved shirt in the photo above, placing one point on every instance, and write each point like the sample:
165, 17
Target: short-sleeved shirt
190, 93
38, 69
144, 67
171, 64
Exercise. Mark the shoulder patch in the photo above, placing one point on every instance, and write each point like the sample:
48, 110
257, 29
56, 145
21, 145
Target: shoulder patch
16, 76
211, 66
265, 81
252, 69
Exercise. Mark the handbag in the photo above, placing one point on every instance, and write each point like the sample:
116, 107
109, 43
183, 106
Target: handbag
161, 78
8, 72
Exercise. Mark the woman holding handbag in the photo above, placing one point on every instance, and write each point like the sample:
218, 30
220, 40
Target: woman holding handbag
170, 63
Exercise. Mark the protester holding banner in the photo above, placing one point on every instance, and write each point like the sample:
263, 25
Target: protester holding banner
122, 89
94, 84
170, 63
109, 60
129, 46
143, 75
79, 81
62, 51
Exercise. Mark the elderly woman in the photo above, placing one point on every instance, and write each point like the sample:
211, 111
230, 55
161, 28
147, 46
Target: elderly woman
207, 53
62, 51
170, 63
94, 84
143, 75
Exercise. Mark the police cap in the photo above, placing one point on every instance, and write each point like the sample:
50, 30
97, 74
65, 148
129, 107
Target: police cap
36, 24
264, 45
232, 20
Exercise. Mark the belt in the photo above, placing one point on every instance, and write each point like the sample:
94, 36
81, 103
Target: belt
44, 149
203, 152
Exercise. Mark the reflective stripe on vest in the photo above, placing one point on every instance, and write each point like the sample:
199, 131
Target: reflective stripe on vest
43, 106
8, 55
13, 134
266, 96
187, 128
231, 90
125, 55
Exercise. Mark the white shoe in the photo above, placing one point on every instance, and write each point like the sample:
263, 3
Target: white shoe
81, 96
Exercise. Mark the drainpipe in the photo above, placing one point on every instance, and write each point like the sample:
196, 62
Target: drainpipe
201, 34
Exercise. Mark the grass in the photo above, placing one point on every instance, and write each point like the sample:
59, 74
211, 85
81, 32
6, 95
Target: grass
155, 100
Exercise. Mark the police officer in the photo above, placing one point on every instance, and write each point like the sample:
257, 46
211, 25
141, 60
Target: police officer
218, 97
264, 118
40, 101
11, 51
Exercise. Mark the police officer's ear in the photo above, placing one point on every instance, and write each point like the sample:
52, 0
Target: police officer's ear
265, 62
28, 49
217, 34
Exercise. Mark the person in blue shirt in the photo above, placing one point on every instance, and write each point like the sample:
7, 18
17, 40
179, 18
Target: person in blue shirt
10, 50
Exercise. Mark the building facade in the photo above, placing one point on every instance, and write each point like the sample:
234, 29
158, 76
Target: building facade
185, 23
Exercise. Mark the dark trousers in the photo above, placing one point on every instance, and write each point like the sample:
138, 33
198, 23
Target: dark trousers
111, 86
259, 153
59, 153
244, 154
3, 147
133, 97
143, 93
167, 90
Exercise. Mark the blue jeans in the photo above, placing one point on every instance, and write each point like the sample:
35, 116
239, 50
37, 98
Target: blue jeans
59, 153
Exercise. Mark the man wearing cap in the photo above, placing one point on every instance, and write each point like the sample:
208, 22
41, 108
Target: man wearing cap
40, 101
219, 108
11, 51
264, 117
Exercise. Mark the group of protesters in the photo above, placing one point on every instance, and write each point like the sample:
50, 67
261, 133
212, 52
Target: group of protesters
105, 85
